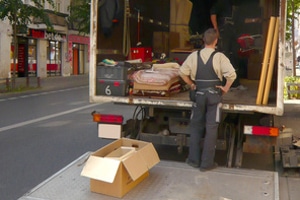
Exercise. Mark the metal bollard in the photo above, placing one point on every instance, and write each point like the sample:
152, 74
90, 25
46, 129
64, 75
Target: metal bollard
7, 84
27, 81
39, 82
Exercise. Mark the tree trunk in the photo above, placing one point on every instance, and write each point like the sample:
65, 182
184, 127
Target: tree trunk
293, 39
15, 43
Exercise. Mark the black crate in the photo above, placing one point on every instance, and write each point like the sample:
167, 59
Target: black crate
112, 87
290, 157
118, 72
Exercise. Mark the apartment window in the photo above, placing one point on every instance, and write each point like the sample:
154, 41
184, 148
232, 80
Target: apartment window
29, 2
42, 3
58, 6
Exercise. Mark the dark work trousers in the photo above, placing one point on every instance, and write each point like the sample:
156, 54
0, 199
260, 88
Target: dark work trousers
203, 124
229, 46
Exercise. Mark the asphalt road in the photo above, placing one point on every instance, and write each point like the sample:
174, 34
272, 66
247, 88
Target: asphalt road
42, 132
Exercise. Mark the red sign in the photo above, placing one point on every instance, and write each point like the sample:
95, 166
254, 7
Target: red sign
37, 33
46, 35
21, 58
70, 52
79, 39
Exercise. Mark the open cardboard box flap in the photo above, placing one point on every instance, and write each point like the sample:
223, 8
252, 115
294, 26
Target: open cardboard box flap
135, 165
103, 169
149, 155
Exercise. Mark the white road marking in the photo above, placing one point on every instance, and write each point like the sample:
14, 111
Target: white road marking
5, 128
40, 94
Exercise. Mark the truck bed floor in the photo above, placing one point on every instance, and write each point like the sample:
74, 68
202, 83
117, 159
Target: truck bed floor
168, 180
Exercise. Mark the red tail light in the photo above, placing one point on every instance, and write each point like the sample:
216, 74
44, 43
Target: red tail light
104, 118
261, 130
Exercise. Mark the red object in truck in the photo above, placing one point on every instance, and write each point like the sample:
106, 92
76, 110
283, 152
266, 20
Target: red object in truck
144, 53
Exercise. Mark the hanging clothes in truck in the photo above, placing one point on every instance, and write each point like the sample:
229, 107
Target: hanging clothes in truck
110, 13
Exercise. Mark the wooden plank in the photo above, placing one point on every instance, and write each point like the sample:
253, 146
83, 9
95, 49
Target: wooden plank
271, 64
265, 61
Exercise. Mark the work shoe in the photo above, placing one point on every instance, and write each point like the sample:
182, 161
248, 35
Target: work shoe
192, 164
240, 87
204, 169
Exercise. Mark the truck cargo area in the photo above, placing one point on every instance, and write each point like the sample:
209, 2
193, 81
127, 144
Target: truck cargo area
167, 20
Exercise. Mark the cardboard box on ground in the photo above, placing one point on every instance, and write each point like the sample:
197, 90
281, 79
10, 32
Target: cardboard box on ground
119, 166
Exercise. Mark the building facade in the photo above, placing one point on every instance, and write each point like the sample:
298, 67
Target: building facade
61, 52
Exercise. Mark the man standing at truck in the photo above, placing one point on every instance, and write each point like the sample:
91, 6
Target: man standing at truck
204, 70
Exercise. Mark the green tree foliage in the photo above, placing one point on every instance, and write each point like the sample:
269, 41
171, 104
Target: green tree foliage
19, 15
79, 18
293, 7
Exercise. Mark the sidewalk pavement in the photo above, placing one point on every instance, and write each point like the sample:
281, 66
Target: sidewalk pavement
34, 84
291, 116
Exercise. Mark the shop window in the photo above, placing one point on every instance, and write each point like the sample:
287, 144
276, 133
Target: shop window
54, 58
81, 59
78, 59
32, 65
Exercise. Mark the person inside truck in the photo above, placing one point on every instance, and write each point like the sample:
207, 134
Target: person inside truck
247, 19
199, 21
200, 16
221, 16
203, 71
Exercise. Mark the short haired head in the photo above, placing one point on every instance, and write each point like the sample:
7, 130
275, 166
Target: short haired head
210, 35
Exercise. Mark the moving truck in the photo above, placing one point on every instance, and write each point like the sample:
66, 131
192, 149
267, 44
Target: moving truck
154, 33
